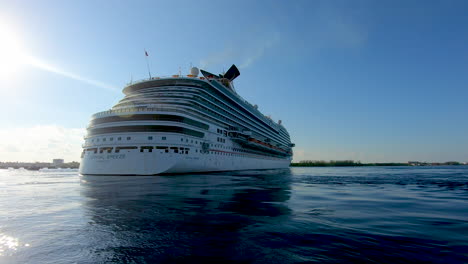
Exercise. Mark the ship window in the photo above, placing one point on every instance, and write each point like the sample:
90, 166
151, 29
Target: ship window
97, 140
150, 138
191, 141
103, 139
181, 139
128, 138
118, 148
111, 139
176, 150
163, 138
161, 147
119, 138
186, 140
196, 142
92, 140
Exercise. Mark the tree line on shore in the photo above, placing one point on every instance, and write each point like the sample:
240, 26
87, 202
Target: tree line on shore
352, 163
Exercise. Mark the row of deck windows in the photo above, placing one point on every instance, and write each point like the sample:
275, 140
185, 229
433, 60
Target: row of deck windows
120, 138
222, 140
179, 150
149, 138
111, 139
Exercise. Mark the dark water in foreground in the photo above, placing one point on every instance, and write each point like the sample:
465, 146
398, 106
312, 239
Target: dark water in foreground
302, 215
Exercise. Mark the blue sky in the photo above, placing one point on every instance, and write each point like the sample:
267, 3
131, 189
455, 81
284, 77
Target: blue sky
366, 80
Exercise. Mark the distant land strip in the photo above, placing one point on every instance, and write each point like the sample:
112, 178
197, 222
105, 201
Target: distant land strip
352, 163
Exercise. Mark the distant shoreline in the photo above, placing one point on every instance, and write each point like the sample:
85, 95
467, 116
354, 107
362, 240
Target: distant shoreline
351, 163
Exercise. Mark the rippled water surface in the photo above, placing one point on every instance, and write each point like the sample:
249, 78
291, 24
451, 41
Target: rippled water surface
301, 215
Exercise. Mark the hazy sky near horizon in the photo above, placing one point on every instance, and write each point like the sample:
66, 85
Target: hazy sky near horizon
365, 80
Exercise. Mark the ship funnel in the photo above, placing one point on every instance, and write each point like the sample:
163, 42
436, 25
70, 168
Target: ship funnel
232, 73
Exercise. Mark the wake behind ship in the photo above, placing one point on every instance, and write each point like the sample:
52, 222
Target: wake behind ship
183, 124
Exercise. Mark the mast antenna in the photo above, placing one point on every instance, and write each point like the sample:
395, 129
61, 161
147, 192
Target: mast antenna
147, 63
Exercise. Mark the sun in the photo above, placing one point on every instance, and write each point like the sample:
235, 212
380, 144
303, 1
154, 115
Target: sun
11, 54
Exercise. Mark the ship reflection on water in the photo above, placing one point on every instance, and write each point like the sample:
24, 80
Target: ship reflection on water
195, 217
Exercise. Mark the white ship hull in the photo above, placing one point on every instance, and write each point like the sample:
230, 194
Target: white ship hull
136, 163
183, 125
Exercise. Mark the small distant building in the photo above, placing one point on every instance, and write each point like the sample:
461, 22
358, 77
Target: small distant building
57, 162
414, 163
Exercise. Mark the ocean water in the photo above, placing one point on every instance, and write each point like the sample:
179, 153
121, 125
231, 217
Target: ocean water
297, 215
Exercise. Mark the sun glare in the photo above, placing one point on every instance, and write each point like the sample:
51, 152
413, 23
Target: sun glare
11, 54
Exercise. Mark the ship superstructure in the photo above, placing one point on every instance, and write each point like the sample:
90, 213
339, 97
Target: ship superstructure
183, 124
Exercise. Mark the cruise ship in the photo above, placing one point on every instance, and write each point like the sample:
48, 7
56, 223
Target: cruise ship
183, 124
